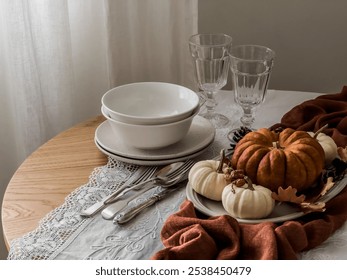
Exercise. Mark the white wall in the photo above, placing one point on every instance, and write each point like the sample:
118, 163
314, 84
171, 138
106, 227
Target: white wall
308, 36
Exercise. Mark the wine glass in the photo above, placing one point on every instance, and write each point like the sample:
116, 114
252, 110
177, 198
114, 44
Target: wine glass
251, 66
211, 58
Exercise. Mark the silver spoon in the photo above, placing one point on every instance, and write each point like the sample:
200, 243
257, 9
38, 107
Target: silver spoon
159, 176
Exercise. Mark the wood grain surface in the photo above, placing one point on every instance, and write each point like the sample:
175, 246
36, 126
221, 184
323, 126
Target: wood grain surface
47, 176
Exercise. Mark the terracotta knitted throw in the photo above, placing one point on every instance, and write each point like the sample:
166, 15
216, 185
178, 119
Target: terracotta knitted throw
188, 235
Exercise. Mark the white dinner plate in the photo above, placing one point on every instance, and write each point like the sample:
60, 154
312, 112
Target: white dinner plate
149, 162
200, 135
282, 211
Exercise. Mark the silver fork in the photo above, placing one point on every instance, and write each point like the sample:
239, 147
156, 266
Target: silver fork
96, 207
111, 210
166, 180
122, 217
183, 169
124, 189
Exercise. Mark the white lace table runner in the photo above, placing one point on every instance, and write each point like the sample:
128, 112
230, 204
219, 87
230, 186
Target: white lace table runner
64, 234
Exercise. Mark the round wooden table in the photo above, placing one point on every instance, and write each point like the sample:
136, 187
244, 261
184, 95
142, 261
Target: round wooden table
47, 176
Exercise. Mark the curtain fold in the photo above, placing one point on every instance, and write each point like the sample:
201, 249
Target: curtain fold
152, 41
58, 57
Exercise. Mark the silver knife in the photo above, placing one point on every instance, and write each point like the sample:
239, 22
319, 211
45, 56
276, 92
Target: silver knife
110, 211
91, 210
126, 216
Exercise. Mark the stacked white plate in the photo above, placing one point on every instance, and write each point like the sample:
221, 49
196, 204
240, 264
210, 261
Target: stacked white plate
199, 137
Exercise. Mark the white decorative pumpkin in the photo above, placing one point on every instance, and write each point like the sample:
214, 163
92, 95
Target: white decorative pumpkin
328, 144
206, 178
249, 201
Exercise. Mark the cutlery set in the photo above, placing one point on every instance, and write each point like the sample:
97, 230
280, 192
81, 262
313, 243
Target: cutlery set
145, 179
143, 173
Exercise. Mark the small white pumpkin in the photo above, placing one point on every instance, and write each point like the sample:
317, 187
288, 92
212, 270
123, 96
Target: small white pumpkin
206, 178
248, 201
328, 144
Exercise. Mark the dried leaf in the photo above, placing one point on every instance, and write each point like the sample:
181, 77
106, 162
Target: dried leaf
312, 207
239, 182
288, 195
327, 186
342, 153
227, 169
234, 175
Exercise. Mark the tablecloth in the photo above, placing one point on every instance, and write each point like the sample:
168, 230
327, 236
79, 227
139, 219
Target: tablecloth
64, 234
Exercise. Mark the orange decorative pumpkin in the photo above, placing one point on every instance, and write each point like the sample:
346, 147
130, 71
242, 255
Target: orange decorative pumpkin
274, 159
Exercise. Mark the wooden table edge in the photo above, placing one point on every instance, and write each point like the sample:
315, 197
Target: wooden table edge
34, 190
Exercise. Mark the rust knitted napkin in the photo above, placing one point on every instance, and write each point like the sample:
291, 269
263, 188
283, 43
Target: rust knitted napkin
189, 235
313, 114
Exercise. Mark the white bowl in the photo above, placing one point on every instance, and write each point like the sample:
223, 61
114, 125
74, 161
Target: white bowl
150, 103
150, 136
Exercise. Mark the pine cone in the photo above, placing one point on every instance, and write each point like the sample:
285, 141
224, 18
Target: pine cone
238, 135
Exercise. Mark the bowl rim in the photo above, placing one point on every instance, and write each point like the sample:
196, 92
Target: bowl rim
194, 113
147, 119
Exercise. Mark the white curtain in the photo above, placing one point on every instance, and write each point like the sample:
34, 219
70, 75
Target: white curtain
57, 58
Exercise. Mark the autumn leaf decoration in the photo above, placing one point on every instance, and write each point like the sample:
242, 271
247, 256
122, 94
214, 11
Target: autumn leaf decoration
235, 175
313, 206
327, 186
327, 182
342, 152
290, 195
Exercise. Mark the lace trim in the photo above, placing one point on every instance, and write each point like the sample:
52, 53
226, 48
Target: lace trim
59, 225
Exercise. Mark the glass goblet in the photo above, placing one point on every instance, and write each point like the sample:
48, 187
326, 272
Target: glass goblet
211, 59
251, 66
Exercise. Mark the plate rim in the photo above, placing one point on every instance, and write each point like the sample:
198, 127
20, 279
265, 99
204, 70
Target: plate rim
150, 162
191, 193
209, 139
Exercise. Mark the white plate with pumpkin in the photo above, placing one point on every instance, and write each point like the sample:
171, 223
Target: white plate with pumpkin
289, 158
281, 212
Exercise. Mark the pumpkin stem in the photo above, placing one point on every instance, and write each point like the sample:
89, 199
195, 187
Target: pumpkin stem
232, 189
223, 160
276, 145
249, 182
320, 130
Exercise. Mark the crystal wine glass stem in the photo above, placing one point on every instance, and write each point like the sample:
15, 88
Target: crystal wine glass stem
248, 117
211, 102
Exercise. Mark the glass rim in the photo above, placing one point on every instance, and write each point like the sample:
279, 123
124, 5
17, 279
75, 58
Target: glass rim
228, 37
238, 72
271, 53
